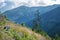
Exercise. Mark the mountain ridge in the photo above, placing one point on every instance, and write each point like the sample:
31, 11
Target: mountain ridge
51, 21
23, 12
27, 15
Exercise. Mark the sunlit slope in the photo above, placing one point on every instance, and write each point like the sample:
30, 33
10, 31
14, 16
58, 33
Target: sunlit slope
27, 31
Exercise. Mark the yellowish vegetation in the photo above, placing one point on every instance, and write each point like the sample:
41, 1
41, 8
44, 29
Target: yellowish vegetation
26, 31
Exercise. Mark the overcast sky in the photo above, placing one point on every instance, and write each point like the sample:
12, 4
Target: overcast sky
6, 4
30, 2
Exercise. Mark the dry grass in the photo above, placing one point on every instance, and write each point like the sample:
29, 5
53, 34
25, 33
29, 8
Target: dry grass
25, 30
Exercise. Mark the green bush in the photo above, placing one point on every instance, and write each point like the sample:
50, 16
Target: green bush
56, 37
15, 34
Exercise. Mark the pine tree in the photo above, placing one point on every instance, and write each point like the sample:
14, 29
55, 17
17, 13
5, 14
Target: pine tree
57, 37
23, 24
36, 22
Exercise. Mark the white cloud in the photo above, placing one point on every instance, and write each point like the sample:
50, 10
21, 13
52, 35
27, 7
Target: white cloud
2, 4
33, 2
30, 3
57, 2
1, 1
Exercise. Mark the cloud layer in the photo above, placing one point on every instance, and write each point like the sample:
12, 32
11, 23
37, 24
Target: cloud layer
35, 2
32, 2
9, 4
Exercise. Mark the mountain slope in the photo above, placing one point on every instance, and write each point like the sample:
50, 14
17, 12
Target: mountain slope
49, 17
14, 31
23, 13
26, 30
51, 21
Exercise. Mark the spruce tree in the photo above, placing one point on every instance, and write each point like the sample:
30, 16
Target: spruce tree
57, 37
36, 22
